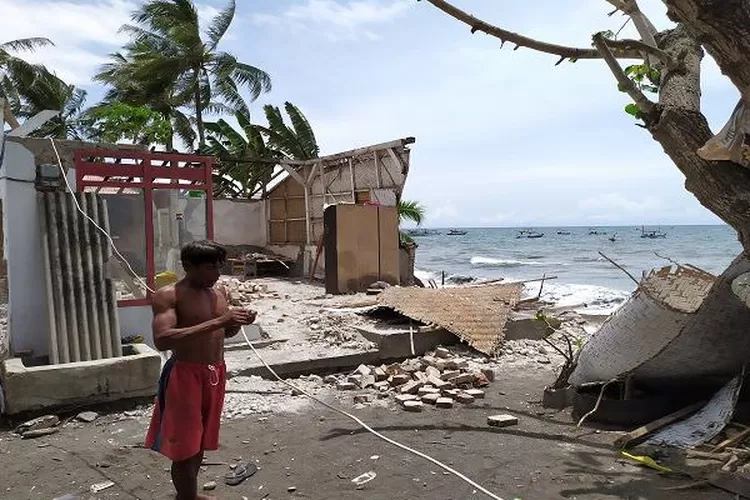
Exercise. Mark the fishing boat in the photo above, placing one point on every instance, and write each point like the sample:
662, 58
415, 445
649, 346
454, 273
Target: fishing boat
528, 233
564, 233
652, 234
613, 237
456, 232
422, 232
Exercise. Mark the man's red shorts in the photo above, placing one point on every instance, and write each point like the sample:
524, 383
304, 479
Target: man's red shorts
188, 408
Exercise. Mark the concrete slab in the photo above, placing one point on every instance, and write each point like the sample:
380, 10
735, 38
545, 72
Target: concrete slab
293, 363
133, 375
396, 342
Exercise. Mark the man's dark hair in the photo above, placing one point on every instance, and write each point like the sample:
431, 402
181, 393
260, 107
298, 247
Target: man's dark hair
196, 253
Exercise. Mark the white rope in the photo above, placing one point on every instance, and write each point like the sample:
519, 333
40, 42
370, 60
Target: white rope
292, 386
370, 429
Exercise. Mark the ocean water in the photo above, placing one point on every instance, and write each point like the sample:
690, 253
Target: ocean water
585, 280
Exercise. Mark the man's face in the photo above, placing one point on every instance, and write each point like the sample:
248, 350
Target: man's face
206, 275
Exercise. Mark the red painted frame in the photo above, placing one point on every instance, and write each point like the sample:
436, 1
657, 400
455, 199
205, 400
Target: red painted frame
177, 169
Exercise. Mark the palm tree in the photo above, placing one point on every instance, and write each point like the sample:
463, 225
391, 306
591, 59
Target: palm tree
51, 93
240, 171
16, 75
411, 211
296, 142
168, 57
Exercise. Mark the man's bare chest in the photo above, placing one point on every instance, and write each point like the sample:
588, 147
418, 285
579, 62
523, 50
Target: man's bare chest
198, 307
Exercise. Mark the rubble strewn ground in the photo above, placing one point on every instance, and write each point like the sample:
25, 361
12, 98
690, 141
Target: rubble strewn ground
477, 413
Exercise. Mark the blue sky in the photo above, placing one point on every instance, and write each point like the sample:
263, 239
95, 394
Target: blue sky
504, 138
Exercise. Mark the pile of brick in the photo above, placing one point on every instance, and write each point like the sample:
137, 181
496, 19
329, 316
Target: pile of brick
242, 292
438, 379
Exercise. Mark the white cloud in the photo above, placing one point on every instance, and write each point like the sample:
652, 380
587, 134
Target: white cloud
83, 33
337, 20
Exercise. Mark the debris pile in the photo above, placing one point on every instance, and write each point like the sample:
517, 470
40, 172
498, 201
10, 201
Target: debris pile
438, 379
336, 329
241, 293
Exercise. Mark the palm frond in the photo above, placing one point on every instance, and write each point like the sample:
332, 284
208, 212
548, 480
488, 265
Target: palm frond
25, 44
303, 131
220, 24
411, 211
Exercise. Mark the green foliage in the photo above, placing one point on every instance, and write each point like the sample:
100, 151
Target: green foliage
296, 142
646, 78
116, 121
168, 66
411, 211
48, 92
20, 79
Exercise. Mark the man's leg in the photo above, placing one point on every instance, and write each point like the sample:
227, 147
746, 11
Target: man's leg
185, 477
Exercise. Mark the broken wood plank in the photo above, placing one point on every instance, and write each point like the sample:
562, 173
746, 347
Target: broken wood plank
736, 483
639, 434
741, 436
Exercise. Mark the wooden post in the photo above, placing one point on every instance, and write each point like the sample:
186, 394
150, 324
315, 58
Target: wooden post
378, 173
308, 226
351, 176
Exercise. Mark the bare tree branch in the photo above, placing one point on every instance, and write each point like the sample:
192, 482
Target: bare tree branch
642, 23
637, 45
563, 51
625, 83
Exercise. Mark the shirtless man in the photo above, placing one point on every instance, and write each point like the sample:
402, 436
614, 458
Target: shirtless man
192, 318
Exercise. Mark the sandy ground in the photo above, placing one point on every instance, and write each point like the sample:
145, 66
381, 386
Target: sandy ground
318, 453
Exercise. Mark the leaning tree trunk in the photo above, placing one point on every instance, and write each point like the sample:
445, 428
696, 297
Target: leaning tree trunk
677, 123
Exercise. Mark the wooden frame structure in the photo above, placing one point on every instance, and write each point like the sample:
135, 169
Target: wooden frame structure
146, 171
295, 204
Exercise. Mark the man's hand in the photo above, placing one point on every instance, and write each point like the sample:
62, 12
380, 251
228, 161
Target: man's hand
238, 317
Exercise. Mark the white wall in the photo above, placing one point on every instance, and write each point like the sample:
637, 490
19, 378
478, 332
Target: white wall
240, 222
136, 321
28, 316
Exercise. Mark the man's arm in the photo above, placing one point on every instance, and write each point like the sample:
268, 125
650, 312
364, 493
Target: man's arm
164, 304
229, 330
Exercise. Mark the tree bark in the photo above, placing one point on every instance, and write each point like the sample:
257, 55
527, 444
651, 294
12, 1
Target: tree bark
681, 129
199, 116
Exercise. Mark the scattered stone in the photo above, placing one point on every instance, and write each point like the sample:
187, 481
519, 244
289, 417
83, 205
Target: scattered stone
480, 380
87, 416
363, 370
382, 386
355, 379
346, 386
380, 374
464, 398
415, 406
449, 374
401, 379
542, 350
543, 361
291, 489
460, 364
451, 392
411, 387
464, 378
420, 376
502, 420
431, 398
38, 423
367, 381
442, 352
432, 372
444, 403
39, 432
427, 390
403, 398
209, 486
96, 488
331, 379
363, 398
475, 393
438, 383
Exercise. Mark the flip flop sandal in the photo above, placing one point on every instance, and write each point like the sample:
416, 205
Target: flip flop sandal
239, 474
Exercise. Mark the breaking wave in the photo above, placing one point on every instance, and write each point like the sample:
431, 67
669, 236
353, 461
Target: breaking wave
480, 261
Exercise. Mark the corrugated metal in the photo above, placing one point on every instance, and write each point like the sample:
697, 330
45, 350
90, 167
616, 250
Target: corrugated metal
83, 313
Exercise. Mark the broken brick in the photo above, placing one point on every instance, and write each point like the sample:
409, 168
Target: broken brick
363, 370
463, 397
346, 386
438, 383
431, 371
380, 374
489, 373
444, 403
420, 376
415, 406
355, 379
502, 420
447, 375
363, 398
442, 352
401, 379
411, 387
366, 381
427, 390
430, 398
480, 380
464, 378
475, 393
403, 398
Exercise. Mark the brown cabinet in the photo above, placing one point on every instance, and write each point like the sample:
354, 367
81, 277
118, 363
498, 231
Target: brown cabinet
361, 247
